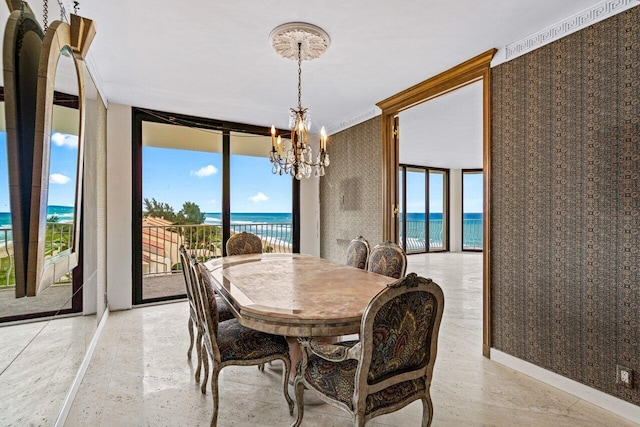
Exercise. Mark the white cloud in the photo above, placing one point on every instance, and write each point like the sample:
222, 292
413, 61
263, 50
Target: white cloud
260, 197
62, 140
58, 178
205, 171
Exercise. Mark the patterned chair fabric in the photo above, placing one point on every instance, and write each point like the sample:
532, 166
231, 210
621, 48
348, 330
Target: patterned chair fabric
388, 259
358, 253
392, 364
193, 320
223, 310
229, 343
244, 243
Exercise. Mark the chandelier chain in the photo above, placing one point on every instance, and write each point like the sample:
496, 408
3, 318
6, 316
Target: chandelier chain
45, 14
299, 76
76, 6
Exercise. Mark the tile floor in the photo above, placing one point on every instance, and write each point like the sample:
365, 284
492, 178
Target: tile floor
38, 364
139, 375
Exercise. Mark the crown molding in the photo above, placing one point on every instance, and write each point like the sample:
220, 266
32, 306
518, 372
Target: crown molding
352, 121
599, 12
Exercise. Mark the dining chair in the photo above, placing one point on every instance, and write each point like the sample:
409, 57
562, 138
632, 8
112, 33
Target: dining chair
244, 243
229, 343
358, 253
390, 367
224, 312
388, 259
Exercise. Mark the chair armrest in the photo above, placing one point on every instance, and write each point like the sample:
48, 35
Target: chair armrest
331, 352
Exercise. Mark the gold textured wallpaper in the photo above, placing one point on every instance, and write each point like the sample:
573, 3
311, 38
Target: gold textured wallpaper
351, 190
566, 205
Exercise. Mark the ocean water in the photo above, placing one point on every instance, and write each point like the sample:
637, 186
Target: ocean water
64, 214
275, 227
249, 218
471, 230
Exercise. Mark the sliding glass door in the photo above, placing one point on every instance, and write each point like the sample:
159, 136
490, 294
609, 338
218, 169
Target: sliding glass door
200, 181
472, 199
423, 211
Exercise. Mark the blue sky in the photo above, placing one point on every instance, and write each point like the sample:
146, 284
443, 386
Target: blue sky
64, 152
176, 176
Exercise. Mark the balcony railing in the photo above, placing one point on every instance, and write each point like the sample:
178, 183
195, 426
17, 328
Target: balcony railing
471, 232
161, 244
7, 278
416, 235
59, 238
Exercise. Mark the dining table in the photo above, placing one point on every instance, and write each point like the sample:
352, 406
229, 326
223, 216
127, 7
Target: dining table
295, 295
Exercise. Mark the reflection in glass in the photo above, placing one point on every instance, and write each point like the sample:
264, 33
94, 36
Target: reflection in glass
63, 161
7, 269
416, 211
437, 209
472, 206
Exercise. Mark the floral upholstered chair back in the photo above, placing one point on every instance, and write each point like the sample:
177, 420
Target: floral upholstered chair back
388, 259
358, 253
244, 243
399, 339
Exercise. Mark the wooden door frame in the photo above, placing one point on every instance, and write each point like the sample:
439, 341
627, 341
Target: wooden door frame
473, 70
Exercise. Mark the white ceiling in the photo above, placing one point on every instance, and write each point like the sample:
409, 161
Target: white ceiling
213, 58
445, 132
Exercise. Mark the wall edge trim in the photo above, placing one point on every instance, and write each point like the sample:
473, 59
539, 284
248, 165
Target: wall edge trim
605, 401
71, 395
576, 22
354, 120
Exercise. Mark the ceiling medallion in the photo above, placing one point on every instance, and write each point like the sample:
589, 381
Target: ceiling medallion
313, 40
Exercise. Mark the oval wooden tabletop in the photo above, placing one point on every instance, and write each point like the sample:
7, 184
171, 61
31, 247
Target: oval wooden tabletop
294, 294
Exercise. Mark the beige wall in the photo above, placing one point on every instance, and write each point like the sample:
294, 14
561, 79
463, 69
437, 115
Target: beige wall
119, 254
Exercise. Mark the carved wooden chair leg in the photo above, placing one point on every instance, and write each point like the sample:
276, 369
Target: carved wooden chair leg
205, 361
199, 350
285, 382
427, 411
190, 325
214, 395
299, 389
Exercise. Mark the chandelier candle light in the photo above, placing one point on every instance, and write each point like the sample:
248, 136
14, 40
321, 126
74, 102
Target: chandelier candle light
301, 41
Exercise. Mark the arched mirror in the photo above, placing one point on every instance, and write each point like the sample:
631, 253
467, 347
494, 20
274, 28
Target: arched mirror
21, 55
58, 161
45, 138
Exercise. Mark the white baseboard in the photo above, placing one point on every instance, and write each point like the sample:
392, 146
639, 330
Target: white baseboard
606, 401
71, 395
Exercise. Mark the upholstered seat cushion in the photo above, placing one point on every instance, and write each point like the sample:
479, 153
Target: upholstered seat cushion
334, 379
337, 381
237, 342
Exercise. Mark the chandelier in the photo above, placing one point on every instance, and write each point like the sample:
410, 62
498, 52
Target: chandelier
298, 41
